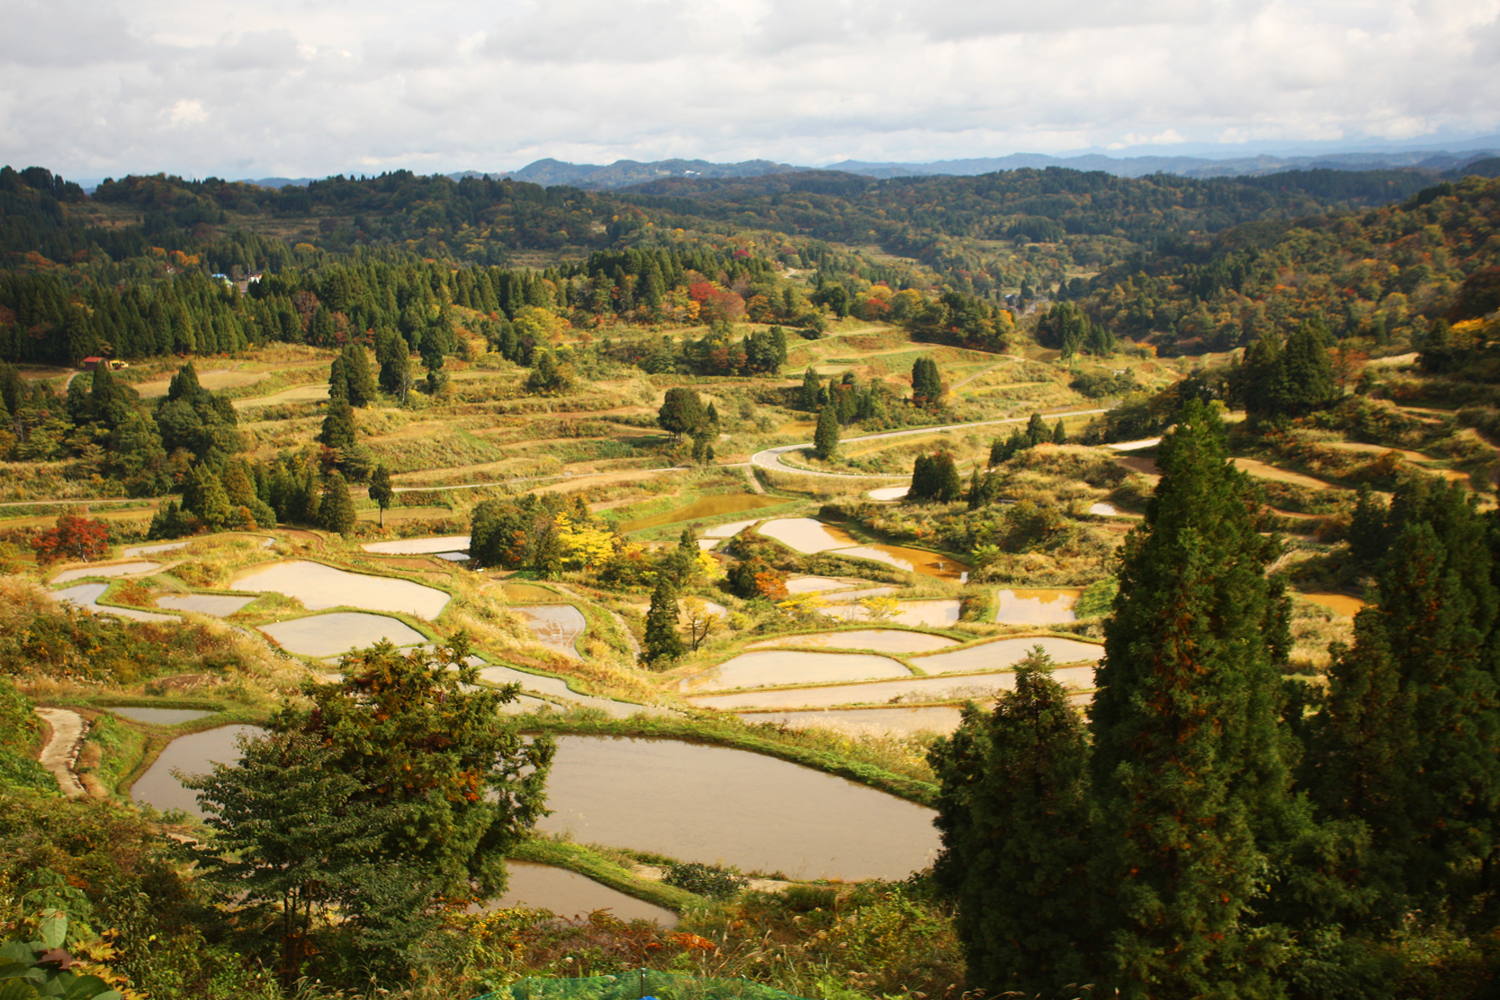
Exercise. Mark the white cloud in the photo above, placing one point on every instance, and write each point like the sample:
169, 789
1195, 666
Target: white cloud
286, 87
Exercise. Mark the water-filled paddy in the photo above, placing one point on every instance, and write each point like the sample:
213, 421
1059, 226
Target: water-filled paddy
888, 492
192, 754
86, 596
1036, 606
1001, 654
918, 690
569, 894
718, 805
318, 586
420, 546
867, 721
728, 530
109, 569
218, 605
1102, 509
556, 687
882, 640
556, 626
911, 560
159, 716
933, 614
805, 534
771, 667
338, 632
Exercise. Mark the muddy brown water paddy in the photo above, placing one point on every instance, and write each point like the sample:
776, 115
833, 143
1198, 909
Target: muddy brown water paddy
338, 632
882, 640
767, 668
704, 507
195, 753
569, 894
808, 535
816, 584
158, 716
557, 688
1001, 654
919, 690
722, 806
318, 586
1035, 606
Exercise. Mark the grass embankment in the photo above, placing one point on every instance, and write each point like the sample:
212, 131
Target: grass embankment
895, 766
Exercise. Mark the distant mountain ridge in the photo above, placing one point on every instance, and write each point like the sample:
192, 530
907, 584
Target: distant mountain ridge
628, 173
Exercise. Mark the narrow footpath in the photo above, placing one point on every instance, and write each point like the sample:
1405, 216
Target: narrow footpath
60, 753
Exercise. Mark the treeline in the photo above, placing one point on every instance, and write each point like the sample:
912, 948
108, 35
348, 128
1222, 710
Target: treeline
1389, 275
1218, 826
57, 316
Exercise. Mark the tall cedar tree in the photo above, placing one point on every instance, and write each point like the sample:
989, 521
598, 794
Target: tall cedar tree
1013, 814
338, 425
381, 490
1189, 763
826, 436
926, 384
336, 509
663, 643
1408, 734
811, 395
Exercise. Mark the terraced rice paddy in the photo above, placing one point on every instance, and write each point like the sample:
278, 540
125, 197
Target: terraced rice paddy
86, 596
107, 569
1036, 606
717, 805
919, 690
1003, 654
318, 586
569, 894
556, 626
420, 546
941, 719
882, 640
767, 668
338, 632
195, 753
217, 605
931, 614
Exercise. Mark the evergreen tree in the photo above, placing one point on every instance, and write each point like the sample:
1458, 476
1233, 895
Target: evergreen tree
681, 412
381, 490
662, 643
1059, 433
826, 436
204, 497
1406, 741
360, 384
1036, 431
338, 431
1189, 769
811, 396
926, 384
1013, 814
395, 364
336, 507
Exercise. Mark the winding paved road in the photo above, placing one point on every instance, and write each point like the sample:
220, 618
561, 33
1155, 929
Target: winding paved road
770, 458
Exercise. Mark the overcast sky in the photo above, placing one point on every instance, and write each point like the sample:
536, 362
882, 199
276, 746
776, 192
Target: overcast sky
93, 88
